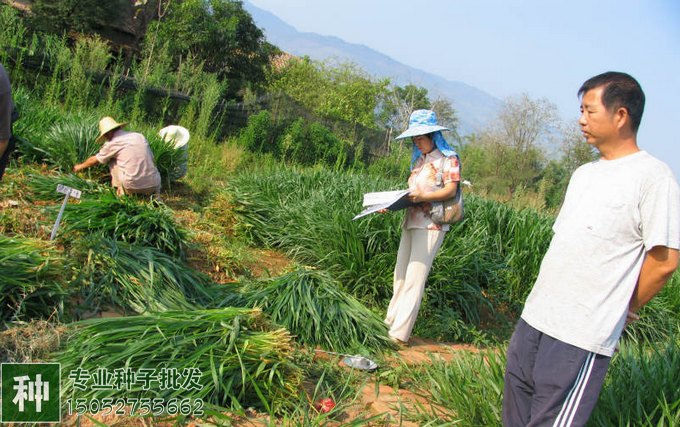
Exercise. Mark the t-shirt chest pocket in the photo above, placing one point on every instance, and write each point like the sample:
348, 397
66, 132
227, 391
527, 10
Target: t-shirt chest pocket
607, 217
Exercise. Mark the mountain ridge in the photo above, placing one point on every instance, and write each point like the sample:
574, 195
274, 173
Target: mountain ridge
474, 107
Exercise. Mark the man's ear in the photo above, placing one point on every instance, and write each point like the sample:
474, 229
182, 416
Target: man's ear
622, 117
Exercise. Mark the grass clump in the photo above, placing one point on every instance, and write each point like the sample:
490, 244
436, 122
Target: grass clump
44, 187
168, 159
129, 220
465, 391
29, 342
312, 305
65, 144
234, 359
488, 260
32, 278
641, 387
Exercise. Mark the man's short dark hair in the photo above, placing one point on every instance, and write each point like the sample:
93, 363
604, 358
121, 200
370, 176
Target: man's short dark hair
620, 90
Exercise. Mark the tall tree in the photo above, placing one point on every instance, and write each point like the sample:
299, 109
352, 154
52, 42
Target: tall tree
446, 116
398, 104
514, 144
575, 151
335, 91
218, 32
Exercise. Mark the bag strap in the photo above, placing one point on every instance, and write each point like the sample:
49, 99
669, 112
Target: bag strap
439, 177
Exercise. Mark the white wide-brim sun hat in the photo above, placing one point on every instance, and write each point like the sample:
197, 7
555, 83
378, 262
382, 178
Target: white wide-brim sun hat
178, 134
421, 122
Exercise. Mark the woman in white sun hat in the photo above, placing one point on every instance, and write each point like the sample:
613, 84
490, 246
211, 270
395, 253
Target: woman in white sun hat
129, 157
421, 238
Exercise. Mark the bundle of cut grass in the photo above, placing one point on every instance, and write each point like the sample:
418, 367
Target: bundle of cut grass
30, 280
43, 187
128, 220
315, 309
140, 279
236, 362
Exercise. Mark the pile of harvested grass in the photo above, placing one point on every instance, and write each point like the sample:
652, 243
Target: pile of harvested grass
313, 307
43, 187
128, 220
140, 279
240, 363
31, 276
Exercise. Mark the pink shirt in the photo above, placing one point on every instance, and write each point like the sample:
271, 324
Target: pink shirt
130, 161
424, 178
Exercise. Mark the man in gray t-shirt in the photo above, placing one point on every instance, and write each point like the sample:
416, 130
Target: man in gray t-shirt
615, 245
6, 108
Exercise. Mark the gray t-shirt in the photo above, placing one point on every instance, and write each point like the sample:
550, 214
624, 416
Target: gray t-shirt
6, 106
613, 213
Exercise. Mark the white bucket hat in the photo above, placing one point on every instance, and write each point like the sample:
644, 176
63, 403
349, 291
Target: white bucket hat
421, 122
106, 125
178, 134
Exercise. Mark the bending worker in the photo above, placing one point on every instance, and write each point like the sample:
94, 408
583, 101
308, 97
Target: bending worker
129, 157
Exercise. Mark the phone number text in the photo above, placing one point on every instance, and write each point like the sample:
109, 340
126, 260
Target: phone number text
135, 406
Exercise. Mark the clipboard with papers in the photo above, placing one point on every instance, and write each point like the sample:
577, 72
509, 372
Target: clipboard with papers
390, 200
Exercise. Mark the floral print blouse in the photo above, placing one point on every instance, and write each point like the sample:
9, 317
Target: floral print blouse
424, 178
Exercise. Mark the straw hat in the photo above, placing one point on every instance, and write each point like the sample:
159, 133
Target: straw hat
421, 122
178, 134
106, 125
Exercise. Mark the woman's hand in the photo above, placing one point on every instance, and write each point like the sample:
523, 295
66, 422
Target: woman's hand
415, 196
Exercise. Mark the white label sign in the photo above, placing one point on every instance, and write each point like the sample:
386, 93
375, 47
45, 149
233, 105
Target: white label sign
68, 190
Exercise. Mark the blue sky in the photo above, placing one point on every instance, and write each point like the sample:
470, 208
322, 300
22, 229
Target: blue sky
545, 48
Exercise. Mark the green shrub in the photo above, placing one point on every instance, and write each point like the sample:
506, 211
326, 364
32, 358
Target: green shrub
395, 165
298, 142
310, 144
260, 134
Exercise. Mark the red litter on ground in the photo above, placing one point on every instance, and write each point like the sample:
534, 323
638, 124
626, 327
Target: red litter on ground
324, 405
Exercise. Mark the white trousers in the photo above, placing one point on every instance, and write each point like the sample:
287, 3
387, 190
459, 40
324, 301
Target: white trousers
417, 250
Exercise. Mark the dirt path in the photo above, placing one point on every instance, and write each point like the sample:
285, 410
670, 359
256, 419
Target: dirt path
377, 398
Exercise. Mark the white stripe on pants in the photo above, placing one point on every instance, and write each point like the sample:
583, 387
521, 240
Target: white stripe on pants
417, 250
